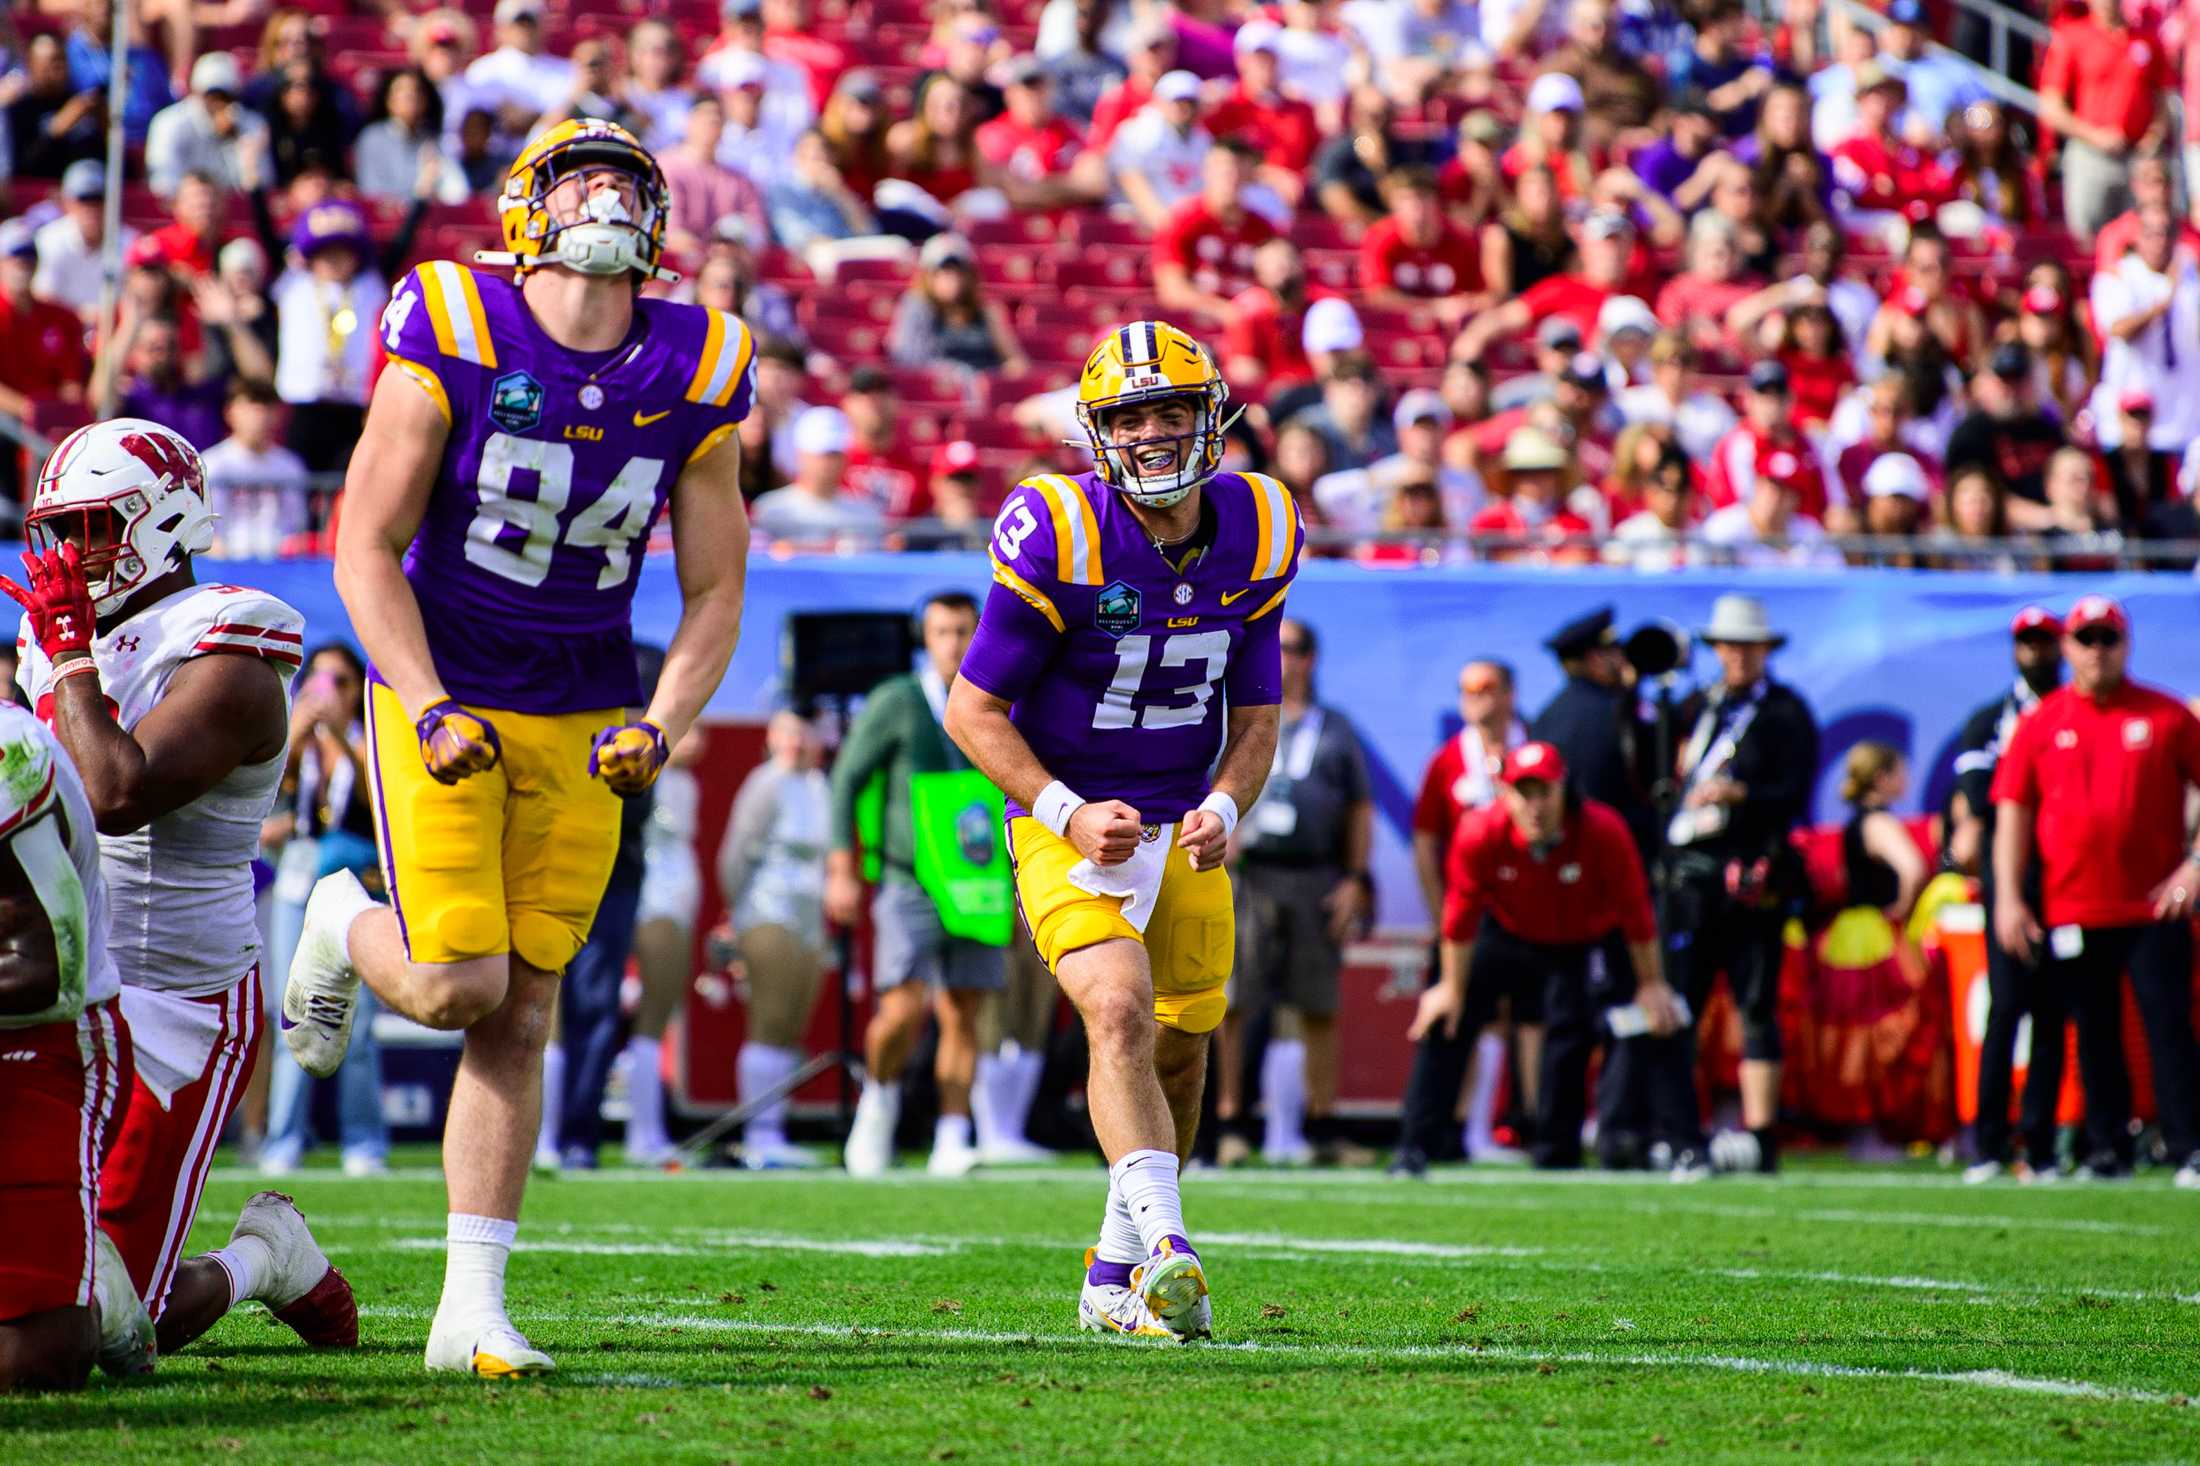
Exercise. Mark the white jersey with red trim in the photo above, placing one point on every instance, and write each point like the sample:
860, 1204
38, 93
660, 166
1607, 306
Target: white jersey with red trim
180, 889
37, 782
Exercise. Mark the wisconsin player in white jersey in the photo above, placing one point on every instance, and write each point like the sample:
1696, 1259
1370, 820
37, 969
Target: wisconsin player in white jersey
172, 700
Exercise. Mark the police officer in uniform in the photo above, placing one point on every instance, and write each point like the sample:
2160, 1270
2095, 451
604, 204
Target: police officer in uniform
1746, 769
2036, 638
1593, 721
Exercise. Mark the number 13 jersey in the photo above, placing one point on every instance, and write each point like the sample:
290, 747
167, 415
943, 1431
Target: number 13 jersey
557, 467
1112, 653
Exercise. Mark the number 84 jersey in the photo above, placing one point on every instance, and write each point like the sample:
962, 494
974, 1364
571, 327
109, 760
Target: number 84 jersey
1112, 652
556, 469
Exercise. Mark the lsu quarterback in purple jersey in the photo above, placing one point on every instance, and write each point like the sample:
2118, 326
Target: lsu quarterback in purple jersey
1129, 646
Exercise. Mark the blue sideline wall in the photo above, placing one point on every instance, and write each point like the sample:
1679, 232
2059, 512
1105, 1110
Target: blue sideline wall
1898, 656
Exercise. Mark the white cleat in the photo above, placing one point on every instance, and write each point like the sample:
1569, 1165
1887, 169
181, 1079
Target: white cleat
322, 995
125, 1328
301, 1289
870, 1147
1983, 1172
650, 1157
494, 1350
952, 1157
1113, 1308
2188, 1176
778, 1156
1174, 1289
1014, 1151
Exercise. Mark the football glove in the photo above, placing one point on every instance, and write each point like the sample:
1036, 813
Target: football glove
456, 744
627, 756
58, 602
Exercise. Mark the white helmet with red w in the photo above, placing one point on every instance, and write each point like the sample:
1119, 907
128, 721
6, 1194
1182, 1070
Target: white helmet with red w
132, 494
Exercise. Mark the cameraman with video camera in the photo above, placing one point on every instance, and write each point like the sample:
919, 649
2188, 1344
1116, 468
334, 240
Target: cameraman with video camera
1746, 767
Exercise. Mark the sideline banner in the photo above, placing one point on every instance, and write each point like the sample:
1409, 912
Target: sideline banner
1898, 656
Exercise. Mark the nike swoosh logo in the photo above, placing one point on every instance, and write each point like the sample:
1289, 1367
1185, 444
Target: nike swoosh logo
644, 419
1229, 596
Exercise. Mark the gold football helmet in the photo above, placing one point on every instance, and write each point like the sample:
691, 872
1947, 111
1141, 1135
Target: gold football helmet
1142, 362
608, 238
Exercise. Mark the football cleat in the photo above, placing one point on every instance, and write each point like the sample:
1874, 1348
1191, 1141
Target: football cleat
322, 995
306, 1294
1982, 1172
1116, 1308
777, 1155
497, 1351
2030, 1175
125, 1328
952, 1156
1689, 1167
1014, 1150
1175, 1289
2188, 1175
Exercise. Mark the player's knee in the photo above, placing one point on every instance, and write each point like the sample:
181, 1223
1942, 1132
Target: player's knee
1119, 1019
467, 993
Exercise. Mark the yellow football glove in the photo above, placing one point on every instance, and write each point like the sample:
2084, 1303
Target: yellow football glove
628, 756
456, 744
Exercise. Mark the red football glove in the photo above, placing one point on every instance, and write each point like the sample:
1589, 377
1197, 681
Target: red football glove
627, 756
456, 744
58, 602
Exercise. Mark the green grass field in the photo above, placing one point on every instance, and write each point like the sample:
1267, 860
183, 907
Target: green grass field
1834, 1313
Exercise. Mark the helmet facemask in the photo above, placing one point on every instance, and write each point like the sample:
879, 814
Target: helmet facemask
607, 230
1130, 467
113, 569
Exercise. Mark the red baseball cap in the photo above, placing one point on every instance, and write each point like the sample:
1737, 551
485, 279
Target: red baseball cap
2135, 399
2096, 611
2035, 619
956, 457
2043, 300
1534, 761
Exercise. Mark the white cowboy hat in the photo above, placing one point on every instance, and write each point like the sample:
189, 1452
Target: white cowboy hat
1741, 620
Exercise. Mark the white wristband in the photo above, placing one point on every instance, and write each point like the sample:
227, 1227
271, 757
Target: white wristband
1055, 804
1223, 808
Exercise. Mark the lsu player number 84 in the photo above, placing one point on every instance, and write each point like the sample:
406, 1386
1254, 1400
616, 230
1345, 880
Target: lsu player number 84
528, 436
1129, 638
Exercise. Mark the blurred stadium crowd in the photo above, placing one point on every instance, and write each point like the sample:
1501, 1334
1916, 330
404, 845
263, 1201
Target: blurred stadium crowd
1557, 280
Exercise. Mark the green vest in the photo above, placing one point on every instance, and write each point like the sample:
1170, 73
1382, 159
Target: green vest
962, 854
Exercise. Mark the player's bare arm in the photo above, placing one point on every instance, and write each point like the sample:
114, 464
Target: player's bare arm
1105, 831
385, 494
221, 712
1248, 751
710, 545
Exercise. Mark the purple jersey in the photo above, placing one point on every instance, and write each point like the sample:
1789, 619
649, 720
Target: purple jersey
1111, 655
557, 466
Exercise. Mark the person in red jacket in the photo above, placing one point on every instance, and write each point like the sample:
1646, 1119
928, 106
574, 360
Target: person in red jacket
1537, 882
2095, 780
1878, 170
1283, 128
1767, 444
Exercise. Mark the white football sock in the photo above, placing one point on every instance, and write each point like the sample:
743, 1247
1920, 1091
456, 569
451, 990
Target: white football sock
249, 1263
473, 1267
952, 1131
553, 1100
1024, 1071
1489, 1072
1283, 1093
757, 1068
986, 1083
1119, 1239
1146, 1182
645, 1095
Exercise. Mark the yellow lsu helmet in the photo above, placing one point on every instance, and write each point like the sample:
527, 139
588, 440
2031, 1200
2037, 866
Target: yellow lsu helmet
1142, 362
608, 238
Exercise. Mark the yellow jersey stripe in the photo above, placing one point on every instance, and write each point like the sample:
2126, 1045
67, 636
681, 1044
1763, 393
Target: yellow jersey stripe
1272, 602
439, 310
429, 383
744, 346
1264, 529
475, 324
711, 440
706, 365
1278, 521
1067, 566
1031, 593
1088, 524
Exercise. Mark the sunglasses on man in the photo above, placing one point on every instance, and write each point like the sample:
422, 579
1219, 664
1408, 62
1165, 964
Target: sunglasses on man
2099, 638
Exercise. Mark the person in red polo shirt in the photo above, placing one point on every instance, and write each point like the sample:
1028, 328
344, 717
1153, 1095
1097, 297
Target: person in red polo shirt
42, 356
1607, 243
1881, 173
1204, 254
1263, 332
1417, 257
1767, 445
2096, 780
2101, 84
1537, 882
1282, 128
1029, 140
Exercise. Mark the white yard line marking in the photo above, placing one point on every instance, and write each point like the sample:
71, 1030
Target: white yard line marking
729, 1242
1986, 1379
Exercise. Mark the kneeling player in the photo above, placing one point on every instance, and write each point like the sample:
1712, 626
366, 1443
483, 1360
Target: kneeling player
1123, 599
172, 700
